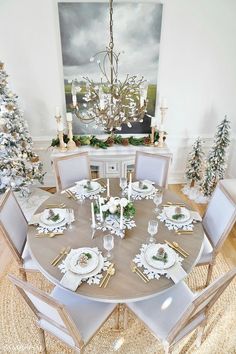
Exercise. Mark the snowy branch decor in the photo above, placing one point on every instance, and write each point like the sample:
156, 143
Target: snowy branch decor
19, 165
217, 158
194, 168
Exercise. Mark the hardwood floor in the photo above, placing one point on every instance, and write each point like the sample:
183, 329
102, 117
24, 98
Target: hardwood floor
228, 249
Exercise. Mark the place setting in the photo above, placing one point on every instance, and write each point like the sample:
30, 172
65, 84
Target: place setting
86, 189
86, 264
52, 221
159, 259
138, 190
179, 218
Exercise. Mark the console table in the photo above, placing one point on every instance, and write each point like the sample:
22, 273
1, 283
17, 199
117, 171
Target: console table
114, 161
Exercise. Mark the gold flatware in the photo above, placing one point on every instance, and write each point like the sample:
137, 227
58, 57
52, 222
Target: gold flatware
69, 193
106, 275
51, 234
183, 232
61, 205
135, 270
61, 252
65, 253
175, 248
111, 272
179, 247
138, 270
170, 203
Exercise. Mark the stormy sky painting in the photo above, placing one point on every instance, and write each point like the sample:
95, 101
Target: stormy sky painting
84, 28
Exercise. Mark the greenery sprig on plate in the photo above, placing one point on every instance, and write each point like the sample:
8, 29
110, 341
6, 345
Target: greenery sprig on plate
178, 216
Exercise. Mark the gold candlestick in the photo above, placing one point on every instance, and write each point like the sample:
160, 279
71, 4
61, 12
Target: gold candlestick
71, 144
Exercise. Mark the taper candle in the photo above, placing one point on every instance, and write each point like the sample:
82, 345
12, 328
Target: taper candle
121, 216
100, 208
108, 188
93, 216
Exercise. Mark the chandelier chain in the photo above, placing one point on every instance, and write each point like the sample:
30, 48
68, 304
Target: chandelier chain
111, 44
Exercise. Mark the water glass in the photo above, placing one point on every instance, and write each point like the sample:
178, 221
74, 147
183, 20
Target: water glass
123, 183
108, 244
152, 230
157, 201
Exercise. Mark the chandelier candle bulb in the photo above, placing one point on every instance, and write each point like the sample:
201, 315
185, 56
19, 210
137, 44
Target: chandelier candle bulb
93, 216
57, 114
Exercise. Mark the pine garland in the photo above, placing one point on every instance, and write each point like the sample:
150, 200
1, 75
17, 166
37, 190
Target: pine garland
194, 168
217, 158
19, 165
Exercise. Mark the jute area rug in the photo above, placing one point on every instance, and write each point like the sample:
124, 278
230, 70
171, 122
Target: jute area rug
18, 333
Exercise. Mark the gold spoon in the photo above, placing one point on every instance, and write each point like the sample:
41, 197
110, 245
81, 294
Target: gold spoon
178, 246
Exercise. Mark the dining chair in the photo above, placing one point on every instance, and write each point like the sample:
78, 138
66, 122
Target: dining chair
13, 227
177, 312
217, 223
70, 169
72, 319
152, 167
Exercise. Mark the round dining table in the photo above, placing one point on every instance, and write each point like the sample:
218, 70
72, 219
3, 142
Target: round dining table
124, 286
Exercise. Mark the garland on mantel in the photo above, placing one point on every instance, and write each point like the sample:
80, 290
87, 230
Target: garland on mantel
113, 139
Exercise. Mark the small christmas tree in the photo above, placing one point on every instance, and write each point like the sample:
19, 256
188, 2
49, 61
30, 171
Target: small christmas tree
216, 161
19, 165
194, 166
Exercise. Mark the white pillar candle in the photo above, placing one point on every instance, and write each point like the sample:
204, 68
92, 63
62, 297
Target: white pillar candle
121, 216
163, 103
74, 100
108, 188
130, 177
60, 127
100, 208
93, 216
57, 111
69, 117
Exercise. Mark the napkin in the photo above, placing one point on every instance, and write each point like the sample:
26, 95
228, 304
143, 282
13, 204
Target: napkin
34, 219
177, 273
71, 280
195, 216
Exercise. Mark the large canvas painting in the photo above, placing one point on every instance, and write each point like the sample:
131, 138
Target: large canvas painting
84, 28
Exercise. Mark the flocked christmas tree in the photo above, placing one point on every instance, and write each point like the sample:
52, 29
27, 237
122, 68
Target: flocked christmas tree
194, 168
217, 158
19, 165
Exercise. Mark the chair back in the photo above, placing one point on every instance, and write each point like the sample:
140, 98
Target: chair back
201, 304
219, 217
152, 167
13, 224
48, 309
70, 169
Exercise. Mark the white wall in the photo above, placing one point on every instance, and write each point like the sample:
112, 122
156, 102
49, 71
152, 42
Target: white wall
197, 70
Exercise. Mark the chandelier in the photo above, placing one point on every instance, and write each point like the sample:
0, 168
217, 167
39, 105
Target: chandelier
110, 103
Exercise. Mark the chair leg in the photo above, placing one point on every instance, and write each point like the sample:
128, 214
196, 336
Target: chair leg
167, 349
42, 341
200, 333
126, 313
23, 274
209, 273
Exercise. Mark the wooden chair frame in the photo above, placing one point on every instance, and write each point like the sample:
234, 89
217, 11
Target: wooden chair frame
217, 247
70, 327
16, 254
67, 157
164, 157
213, 291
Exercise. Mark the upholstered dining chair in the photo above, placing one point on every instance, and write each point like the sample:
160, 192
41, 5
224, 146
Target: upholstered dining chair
13, 227
70, 169
217, 222
152, 167
72, 319
177, 312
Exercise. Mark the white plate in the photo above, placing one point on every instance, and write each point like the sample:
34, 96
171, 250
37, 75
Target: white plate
170, 211
152, 251
94, 185
92, 273
135, 187
45, 214
91, 265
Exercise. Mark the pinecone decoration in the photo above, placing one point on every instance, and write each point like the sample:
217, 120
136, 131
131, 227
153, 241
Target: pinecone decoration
125, 141
146, 140
34, 158
110, 141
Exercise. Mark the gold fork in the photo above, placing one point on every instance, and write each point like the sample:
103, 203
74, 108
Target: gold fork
50, 234
135, 270
106, 275
111, 272
65, 253
61, 252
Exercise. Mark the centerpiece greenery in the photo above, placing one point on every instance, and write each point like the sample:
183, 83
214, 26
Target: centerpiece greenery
112, 206
113, 139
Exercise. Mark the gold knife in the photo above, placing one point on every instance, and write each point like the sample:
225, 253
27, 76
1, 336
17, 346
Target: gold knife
138, 270
175, 248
